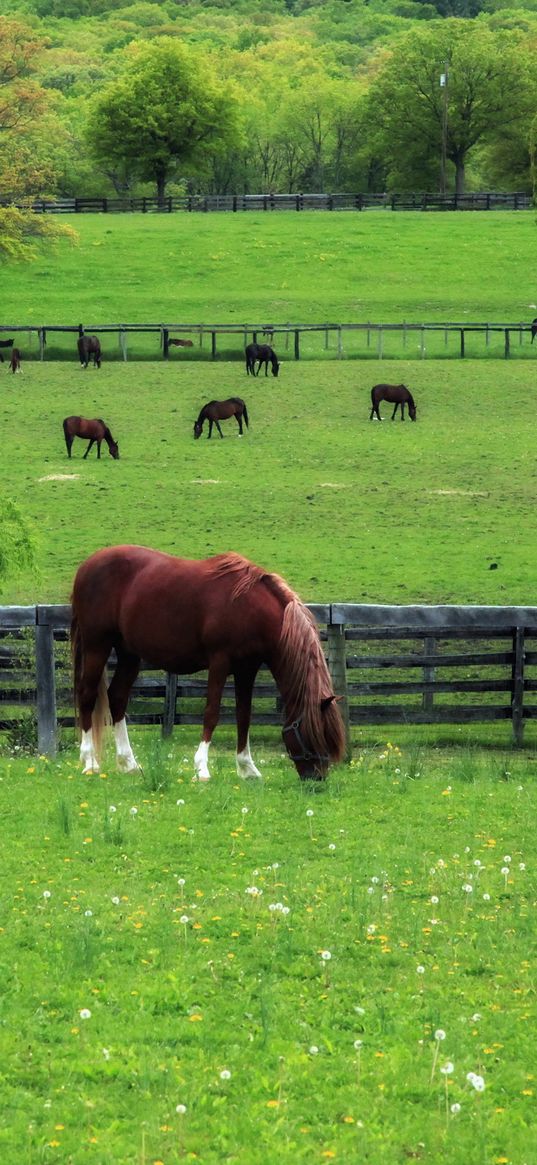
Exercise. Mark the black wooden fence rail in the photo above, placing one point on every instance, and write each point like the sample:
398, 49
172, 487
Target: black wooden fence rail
207, 203
286, 334
390, 664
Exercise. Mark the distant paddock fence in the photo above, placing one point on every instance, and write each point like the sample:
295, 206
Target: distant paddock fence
390, 665
368, 340
209, 203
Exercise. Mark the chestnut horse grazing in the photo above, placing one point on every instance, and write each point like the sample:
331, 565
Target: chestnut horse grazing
223, 614
180, 343
264, 354
89, 347
93, 431
396, 394
221, 410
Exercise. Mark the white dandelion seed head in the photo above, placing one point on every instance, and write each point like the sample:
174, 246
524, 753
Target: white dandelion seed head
115, 900
434, 899
309, 812
370, 889
244, 809
375, 880
46, 894
331, 845
180, 1109
477, 863
180, 881
507, 858
184, 919
478, 1083
468, 888
476, 1017
133, 810
522, 865
112, 809
448, 1068
106, 1053
180, 801
420, 969
455, 1108
486, 897
358, 1044
88, 914
326, 955
286, 909
225, 1074
439, 1034
85, 1013
313, 1051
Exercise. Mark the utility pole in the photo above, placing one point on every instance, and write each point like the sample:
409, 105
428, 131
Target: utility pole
444, 77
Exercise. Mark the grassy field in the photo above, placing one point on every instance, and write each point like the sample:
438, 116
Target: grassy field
263, 972
258, 973
309, 267
346, 509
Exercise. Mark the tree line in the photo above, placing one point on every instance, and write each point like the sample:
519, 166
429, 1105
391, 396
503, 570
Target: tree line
282, 96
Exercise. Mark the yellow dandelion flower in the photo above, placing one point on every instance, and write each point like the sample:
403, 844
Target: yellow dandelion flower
195, 1018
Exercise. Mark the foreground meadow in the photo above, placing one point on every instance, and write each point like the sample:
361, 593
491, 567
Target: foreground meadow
267, 972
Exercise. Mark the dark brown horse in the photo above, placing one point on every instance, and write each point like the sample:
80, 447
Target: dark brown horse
15, 362
180, 343
5, 344
223, 614
89, 347
265, 355
533, 330
93, 431
221, 410
396, 394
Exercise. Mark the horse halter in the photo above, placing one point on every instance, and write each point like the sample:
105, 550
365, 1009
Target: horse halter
303, 753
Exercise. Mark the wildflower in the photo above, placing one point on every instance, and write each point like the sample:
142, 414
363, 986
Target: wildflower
448, 1068
468, 888
184, 919
326, 955
507, 858
88, 914
476, 1017
455, 1108
106, 1053
46, 894
309, 812
244, 809
358, 1044
420, 970
331, 846
476, 1080
85, 1013
179, 802
374, 880
486, 897
439, 1034
133, 811
115, 900
359, 1010
225, 1074
522, 865
180, 881
504, 870
112, 809
434, 899
180, 1109
313, 1050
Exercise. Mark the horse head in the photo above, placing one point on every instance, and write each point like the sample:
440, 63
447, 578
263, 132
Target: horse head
198, 429
114, 450
310, 763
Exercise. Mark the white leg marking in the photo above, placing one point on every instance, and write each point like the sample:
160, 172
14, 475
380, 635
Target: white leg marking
245, 764
126, 760
88, 756
201, 758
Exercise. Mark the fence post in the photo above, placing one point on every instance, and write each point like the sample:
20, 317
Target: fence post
42, 341
429, 647
46, 688
123, 342
380, 342
506, 343
213, 345
337, 666
165, 343
462, 343
168, 716
517, 689
297, 344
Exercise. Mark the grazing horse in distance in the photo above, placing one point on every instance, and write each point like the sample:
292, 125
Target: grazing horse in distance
180, 343
5, 344
222, 614
221, 410
89, 346
396, 394
15, 362
533, 330
263, 353
93, 431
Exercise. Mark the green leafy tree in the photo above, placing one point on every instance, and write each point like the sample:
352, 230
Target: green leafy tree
491, 90
165, 112
17, 542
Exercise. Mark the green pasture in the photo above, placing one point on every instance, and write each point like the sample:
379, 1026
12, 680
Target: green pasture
308, 267
345, 508
262, 973
266, 972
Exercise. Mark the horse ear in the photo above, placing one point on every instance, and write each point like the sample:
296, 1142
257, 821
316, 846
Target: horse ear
329, 700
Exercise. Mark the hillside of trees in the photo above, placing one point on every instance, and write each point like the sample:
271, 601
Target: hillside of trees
106, 97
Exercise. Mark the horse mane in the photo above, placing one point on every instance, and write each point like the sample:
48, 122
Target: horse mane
301, 654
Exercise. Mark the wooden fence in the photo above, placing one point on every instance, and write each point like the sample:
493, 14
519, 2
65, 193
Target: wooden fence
488, 200
390, 664
202, 339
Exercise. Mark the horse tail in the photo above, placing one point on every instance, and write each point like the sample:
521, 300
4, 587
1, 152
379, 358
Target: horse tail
101, 712
245, 415
309, 679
